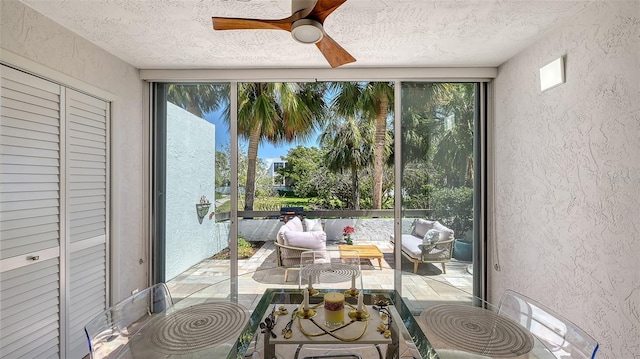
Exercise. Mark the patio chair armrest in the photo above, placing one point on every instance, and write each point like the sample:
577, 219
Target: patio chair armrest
301, 249
440, 244
447, 242
288, 256
438, 249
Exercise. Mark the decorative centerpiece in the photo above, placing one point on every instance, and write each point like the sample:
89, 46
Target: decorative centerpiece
333, 309
334, 320
346, 234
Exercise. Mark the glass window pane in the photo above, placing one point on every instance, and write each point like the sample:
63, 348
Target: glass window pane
438, 181
196, 176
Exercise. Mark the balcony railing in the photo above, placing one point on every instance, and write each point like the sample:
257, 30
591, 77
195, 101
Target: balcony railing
337, 213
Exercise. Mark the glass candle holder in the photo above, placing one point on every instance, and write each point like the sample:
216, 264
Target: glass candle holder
333, 309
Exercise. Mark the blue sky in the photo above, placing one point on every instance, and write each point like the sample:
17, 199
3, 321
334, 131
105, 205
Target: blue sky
264, 151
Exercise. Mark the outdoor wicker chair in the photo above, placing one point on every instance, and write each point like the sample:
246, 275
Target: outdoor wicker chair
292, 240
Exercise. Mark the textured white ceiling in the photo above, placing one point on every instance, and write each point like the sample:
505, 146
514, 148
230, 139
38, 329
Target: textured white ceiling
178, 34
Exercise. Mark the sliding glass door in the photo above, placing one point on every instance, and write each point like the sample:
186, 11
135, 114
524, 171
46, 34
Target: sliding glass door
438, 171
191, 182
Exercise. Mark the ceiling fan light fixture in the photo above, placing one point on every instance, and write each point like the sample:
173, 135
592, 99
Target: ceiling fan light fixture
307, 31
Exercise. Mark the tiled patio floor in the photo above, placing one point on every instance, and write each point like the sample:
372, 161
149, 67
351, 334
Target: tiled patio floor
261, 272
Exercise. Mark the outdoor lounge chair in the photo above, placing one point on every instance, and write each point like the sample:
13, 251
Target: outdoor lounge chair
433, 249
292, 239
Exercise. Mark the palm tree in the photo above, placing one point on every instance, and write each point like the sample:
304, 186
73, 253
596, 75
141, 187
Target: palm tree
372, 101
198, 98
422, 119
348, 144
454, 152
437, 141
276, 113
273, 112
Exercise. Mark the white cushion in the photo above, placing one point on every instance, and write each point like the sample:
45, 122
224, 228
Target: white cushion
295, 224
411, 245
280, 235
445, 233
312, 225
311, 240
421, 226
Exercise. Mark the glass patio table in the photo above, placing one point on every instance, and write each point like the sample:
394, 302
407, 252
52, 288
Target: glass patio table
215, 323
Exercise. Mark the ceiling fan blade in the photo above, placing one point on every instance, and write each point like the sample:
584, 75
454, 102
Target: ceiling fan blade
236, 23
334, 53
324, 8
230, 23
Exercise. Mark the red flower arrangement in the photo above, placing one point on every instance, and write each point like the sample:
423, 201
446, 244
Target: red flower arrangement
347, 232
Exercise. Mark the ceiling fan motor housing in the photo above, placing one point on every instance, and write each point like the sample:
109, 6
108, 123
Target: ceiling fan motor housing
297, 5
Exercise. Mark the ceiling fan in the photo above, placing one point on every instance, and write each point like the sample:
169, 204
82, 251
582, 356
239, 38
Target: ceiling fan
305, 25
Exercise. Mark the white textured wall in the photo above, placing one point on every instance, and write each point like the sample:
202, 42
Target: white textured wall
567, 176
369, 230
36, 38
191, 151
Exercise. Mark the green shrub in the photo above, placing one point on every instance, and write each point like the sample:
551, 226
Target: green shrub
244, 248
287, 194
453, 207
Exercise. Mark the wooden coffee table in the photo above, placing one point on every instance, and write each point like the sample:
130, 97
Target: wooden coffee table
367, 251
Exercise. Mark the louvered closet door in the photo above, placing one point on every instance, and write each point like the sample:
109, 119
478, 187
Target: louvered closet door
86, 139
30, 192
53, 216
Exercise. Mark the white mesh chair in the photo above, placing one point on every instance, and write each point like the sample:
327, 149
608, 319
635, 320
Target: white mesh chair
330, 268
563, 338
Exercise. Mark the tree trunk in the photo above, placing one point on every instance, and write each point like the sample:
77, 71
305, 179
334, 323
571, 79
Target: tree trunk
355, 186
378, 152
252, 156
470, 172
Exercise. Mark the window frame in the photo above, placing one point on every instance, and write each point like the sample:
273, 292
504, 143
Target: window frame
481, 76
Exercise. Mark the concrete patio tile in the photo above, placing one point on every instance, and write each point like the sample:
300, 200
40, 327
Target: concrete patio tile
261, 272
